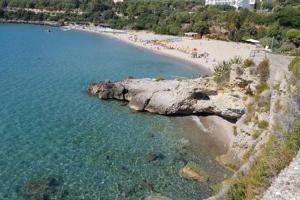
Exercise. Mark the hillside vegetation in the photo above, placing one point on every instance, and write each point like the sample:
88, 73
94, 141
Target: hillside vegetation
275, 23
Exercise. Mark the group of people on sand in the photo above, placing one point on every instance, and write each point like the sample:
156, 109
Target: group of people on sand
145, 43
169, 44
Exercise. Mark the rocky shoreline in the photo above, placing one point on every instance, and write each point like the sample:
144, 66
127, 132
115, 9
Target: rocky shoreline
43, 23
173, 97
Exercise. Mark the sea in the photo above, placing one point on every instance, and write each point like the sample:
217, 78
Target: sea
57, 142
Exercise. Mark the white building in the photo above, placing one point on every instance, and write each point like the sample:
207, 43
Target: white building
250, 4
118, 1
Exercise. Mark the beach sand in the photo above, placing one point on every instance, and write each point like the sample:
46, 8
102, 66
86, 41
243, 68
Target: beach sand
213, 51
209, 134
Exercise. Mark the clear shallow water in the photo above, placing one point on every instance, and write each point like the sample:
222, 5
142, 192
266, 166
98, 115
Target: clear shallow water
49, 126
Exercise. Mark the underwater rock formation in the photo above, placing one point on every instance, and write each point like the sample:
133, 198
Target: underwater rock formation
154, 156
43, 188
157, 197
192, 171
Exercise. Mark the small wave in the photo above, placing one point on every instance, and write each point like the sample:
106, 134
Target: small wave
199, 123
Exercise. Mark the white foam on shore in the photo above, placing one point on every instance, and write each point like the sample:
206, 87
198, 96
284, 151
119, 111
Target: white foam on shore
199, 124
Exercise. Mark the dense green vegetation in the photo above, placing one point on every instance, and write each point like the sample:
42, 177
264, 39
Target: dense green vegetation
276, 155
294, 67
278, 26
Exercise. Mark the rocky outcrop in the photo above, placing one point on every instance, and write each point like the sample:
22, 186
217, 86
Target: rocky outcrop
173, 97
157, 197
19, 21
43, 188
193, 172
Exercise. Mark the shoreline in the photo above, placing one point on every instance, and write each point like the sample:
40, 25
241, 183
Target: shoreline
114, 36
211, 133
205, 70
211, 53
42, 23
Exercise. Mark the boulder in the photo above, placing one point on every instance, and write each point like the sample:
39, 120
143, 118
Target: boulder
154, 156
42, 188
157, 197
192, 171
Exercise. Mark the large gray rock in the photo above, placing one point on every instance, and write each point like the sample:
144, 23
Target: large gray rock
173, 97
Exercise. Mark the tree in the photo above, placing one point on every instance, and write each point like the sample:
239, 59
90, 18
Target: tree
294, 36
289, 16
174, 29
3, 3
233, 24
201, 28
1, 13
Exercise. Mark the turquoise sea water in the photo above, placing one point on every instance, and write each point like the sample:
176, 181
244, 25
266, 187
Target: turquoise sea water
49, 126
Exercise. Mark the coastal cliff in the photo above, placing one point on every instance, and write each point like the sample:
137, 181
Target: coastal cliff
250, 99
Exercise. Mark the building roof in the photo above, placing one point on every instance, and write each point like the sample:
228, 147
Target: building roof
253, 41
190, 34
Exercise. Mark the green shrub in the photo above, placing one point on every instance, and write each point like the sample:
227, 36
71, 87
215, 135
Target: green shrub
236, 60
293, 138
277, 87
294, 67
248, 154
294, 36
255, 134
248, 63
216, 187
239, 71
262, 87
235, 131
251, 108
263, 70
263, 124
295, 52
278, 105
264, 104
237, 192
222, 72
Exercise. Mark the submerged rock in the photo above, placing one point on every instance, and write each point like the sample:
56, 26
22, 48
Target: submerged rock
173, 97
157, 197
143, 185
42, 189
154, 156
192, 171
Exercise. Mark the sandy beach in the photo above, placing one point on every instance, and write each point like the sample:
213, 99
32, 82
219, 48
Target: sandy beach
209, 52
209, 134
